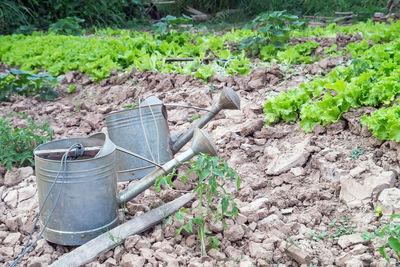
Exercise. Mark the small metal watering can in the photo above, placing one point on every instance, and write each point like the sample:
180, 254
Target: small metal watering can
144, 131
81, 201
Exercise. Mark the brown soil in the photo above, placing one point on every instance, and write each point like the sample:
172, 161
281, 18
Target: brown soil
291, 187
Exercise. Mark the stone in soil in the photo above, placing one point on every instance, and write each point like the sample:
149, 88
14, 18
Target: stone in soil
130, 260
364, 183
15, 176
299, 255
287, 158
350, 240
389, 200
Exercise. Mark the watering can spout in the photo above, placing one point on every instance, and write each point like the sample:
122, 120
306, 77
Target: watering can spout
227, 100
201, 143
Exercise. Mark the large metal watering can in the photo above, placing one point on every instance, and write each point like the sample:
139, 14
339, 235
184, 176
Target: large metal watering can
144, 131
81, 201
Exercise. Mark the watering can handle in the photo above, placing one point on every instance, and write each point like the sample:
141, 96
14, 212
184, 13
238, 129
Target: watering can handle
137, 156
185, 106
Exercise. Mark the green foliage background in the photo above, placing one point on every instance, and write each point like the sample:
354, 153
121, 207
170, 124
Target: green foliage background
126, 13
42, 13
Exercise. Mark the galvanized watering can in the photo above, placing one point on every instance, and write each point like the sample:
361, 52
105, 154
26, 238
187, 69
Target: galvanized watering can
81, 200
143, 131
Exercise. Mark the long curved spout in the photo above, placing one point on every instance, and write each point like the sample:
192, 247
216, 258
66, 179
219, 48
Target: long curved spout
201, 143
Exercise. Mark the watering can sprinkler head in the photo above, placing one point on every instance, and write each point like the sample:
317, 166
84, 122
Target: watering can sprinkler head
201, 143
227, 100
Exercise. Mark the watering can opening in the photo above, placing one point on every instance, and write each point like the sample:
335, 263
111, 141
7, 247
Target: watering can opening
95, 146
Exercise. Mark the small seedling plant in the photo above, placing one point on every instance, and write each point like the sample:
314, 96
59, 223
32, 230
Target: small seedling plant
17, 144
356, 153
338, 228
215, 203
390, 232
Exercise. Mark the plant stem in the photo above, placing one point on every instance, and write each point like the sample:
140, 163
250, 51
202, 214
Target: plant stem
202, 240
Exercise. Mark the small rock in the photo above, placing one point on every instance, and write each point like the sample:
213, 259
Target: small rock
42, 261
358, 249
319, 129
191, 241
216, 227
131, 241
25, 172
50, 109
130, 260
12, 198
93, 119
323, 63
146, 253
165, 257
12, 239
297, 171
354, 263
86, 81
299, 255
254, 206
359, 188
104, 109
69, 77
249, 127
119, 251
336, 128
142, 243
27, 205
257, 251
350, 240
26, 192
42, 246
332, 156
215, 254
283, 162
7, 251
246, 264
286, 211
389, 200
85, 127
234, 233
234, 253
110, 262
327, 169
195, 264
270, 132
12, 177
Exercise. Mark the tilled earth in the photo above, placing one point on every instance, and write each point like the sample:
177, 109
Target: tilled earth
303, 200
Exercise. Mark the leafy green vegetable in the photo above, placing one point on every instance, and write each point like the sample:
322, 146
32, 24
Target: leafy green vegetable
370, 80
25, 83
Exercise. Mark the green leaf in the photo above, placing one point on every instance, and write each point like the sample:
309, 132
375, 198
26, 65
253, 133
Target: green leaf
179, 216
224, 205
383, 253
394, 243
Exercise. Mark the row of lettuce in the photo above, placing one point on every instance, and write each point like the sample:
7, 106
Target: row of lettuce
371, 79
231, 52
